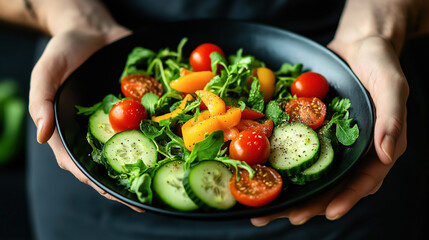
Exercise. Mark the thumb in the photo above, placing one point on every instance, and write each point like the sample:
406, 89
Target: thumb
376, 64
46, 77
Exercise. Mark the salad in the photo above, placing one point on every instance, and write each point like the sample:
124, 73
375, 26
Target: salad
208, 131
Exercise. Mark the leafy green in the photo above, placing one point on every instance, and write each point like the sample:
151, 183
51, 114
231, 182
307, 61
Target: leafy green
286, 75
206, 149
256, 97
275, 113
106, 104
141, 187
149, 101
217, 58
345, 133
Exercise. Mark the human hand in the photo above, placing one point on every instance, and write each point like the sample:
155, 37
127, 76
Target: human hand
69, 47
374, 59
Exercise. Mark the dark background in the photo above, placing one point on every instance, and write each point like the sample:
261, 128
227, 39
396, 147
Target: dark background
17, 50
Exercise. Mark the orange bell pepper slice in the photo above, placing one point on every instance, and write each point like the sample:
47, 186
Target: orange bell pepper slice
214, 103
192, 81
195, 131
231, 118
174, 113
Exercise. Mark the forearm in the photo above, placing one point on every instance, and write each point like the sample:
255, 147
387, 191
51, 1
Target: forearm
392, 20
55, 16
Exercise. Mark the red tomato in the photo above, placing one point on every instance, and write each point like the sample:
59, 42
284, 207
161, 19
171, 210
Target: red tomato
310, 111
265, 128
250, 146
310, 84
127, 115
200, 57
263, 188
136, 85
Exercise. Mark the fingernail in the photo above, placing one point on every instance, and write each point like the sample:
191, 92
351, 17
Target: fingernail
388, 146
300, 221
39, 129
259, 222
333, 218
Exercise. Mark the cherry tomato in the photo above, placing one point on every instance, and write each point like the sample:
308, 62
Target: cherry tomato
200, 57
266, 128
263, 188
250, 146
310, 84
127, 115
310, 111
136, 85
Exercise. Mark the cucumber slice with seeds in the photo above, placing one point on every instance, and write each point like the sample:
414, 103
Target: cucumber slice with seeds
207, 184
128, 147
294, 147
168, 185
323, 164
99, 126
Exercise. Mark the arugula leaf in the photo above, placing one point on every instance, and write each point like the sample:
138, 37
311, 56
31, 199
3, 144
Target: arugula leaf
108, 102
256, 97
276, 113
344, 132
206, 149
149, 101
88, 110
217, 58
347, 135
237, 164
137, 56
290, 70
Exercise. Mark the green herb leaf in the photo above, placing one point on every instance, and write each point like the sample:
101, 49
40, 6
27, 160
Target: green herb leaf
141, 187
108, 102
149, 101
256, 97
275, 113
347, 135
290, 70
88, 110
206, 149
217, 58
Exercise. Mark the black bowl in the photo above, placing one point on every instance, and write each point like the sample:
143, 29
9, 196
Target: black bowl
99, 75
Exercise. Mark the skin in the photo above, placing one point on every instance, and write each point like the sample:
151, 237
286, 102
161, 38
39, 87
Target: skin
369, 38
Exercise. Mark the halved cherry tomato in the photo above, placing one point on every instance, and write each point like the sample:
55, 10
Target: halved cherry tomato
136, 85
263, 188
310, 84
200, 57
266, 128
310, 111
127, 115
250, 146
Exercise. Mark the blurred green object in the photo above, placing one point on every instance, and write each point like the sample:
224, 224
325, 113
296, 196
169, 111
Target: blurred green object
12, 116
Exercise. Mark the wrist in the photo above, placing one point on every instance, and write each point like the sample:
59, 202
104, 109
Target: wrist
57, 16
390, 20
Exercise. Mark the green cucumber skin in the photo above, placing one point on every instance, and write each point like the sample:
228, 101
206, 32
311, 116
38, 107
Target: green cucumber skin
279, 148
181, 203
326, 158
190, 185
99, 126
148, 152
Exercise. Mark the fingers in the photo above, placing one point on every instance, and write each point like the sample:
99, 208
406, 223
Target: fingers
376, 64
366, 180
66, 163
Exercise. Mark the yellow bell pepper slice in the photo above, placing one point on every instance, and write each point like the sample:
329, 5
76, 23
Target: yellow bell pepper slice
174, 113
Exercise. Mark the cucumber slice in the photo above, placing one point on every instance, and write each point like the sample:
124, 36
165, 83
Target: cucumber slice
168, 185
294, 147
128, 147
99, 126
207, 184
323, 164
